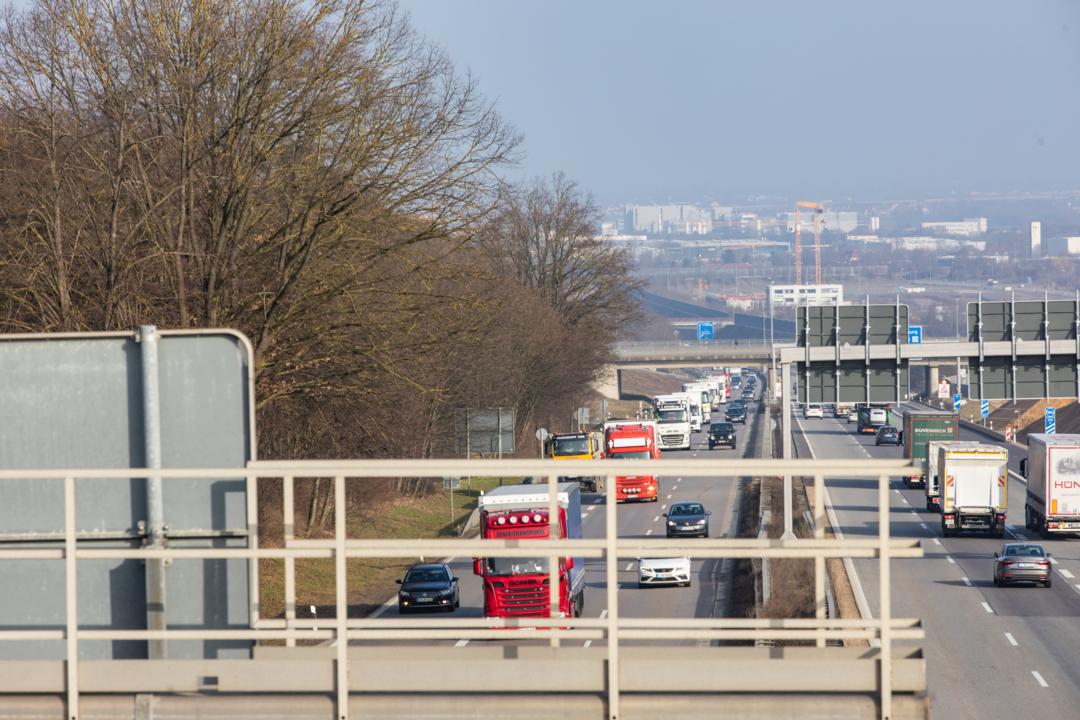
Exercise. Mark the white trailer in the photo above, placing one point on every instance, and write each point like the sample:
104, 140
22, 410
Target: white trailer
933, 477
673, 420
1052, 469
973, 488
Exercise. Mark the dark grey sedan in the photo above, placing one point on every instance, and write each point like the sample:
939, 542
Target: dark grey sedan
1022, 562
687, 518
428, 587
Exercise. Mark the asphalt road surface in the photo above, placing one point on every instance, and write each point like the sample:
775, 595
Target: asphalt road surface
707, 592
991, 652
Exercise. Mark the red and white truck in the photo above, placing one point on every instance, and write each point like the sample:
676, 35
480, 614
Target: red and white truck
1052, 469
518, 586
633, 440
973, 487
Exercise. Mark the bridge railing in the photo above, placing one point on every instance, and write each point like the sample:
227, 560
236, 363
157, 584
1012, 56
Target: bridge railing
351, 672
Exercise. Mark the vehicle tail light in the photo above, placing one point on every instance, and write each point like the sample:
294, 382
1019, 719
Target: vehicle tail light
1053, 524
1044, 562
1007, 563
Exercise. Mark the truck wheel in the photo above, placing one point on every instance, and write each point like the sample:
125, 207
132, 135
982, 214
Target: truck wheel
929, 506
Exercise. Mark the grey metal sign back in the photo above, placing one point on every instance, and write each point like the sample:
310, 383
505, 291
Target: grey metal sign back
128, 400
870, 379
1020, 374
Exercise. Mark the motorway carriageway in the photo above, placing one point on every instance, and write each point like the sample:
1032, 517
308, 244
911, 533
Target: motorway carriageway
710, 581
1011, 652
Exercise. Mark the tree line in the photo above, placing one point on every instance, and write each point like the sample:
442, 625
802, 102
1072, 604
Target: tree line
317, 175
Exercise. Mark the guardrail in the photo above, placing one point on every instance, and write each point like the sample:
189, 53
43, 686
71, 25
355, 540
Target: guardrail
343, 669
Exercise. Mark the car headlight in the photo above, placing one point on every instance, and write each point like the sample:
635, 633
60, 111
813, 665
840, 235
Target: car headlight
671, 523
700, 522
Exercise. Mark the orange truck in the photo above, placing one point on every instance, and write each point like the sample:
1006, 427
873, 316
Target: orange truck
633, 439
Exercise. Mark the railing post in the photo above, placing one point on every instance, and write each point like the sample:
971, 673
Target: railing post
553, 559
341, 612
290, 562
884, 597
612, 574
71, 600
820, 576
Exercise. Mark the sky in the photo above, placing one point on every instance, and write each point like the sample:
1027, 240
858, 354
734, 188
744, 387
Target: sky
725, 100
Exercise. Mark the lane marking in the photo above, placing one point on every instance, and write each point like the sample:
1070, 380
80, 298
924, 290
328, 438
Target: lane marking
603, 613
966, 581
655, 519
664, 506
1011, 639
936, 541
649, 531
904, 499
588, 643
924, 526
461, 643
629, 566
987, 608
913, 513
668, 497
1066, 573
949, 558
1040, 678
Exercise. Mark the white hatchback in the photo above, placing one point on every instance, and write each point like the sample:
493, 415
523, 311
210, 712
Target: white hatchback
663, 571
814, 411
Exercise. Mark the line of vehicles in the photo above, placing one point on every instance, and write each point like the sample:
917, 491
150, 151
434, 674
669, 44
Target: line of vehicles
519, 586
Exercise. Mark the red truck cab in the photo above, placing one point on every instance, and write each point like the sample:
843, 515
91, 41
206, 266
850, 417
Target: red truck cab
633, 441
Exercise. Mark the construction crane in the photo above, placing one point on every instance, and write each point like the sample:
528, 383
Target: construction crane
818, 209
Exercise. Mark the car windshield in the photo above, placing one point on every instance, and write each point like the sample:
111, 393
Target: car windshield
688, 509
516, 566
571, 446
1024, 551
427, 575
721, 427
671, 416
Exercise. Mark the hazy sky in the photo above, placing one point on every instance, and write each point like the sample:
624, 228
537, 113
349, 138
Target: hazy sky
706, 99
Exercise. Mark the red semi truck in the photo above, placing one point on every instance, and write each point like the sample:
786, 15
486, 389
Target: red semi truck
518, 586
636, 439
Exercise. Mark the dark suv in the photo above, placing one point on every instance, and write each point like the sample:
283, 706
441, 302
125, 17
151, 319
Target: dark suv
736, 412
722, 434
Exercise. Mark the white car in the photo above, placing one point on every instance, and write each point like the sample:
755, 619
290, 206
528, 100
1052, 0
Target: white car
813, 411
663, 571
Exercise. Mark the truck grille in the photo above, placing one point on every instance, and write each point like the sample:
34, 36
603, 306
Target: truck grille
526, 599
672, 439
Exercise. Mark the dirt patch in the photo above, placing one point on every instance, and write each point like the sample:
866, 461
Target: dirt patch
646, 384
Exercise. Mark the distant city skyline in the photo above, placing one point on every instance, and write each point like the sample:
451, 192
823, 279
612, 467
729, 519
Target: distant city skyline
697, 100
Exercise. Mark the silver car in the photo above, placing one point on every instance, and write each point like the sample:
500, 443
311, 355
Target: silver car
1023, 562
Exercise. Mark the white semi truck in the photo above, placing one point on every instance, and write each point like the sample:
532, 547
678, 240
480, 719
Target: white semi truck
1052, 469
673, 419
973, 479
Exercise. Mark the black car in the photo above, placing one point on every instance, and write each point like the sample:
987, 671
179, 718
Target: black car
687, 518
736, 412
722, 433
1022, 562
887, 435
428, 587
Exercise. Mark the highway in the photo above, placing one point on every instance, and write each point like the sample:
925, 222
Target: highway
709, 584
991, 652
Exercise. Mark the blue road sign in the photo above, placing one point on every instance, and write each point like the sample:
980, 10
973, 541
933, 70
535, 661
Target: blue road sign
914, 334
984, 408
704, 331
1050, 421
956, 402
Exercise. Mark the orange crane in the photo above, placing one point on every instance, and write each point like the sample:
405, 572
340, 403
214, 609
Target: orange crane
818, 209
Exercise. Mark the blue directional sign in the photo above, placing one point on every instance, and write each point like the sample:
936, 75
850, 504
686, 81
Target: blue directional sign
704, 331
914, 334
1050, 421
957, 402
984, 408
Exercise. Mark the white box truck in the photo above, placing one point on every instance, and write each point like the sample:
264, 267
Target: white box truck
1052, 469
933, 477
973, 485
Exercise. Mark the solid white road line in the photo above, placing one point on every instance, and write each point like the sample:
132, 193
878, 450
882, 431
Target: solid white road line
1065, 573
987, 608
461, 643
949, 558
1039, 678
966, 581
1011, 639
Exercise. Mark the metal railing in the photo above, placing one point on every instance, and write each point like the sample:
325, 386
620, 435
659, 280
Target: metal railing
614, 629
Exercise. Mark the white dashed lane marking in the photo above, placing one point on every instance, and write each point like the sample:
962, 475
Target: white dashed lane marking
461, 643
936, 541
1039, 678
1011, 639
1065, 573
949, 558
966, 581
629, 566
649, 531
987, 608
656, 519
